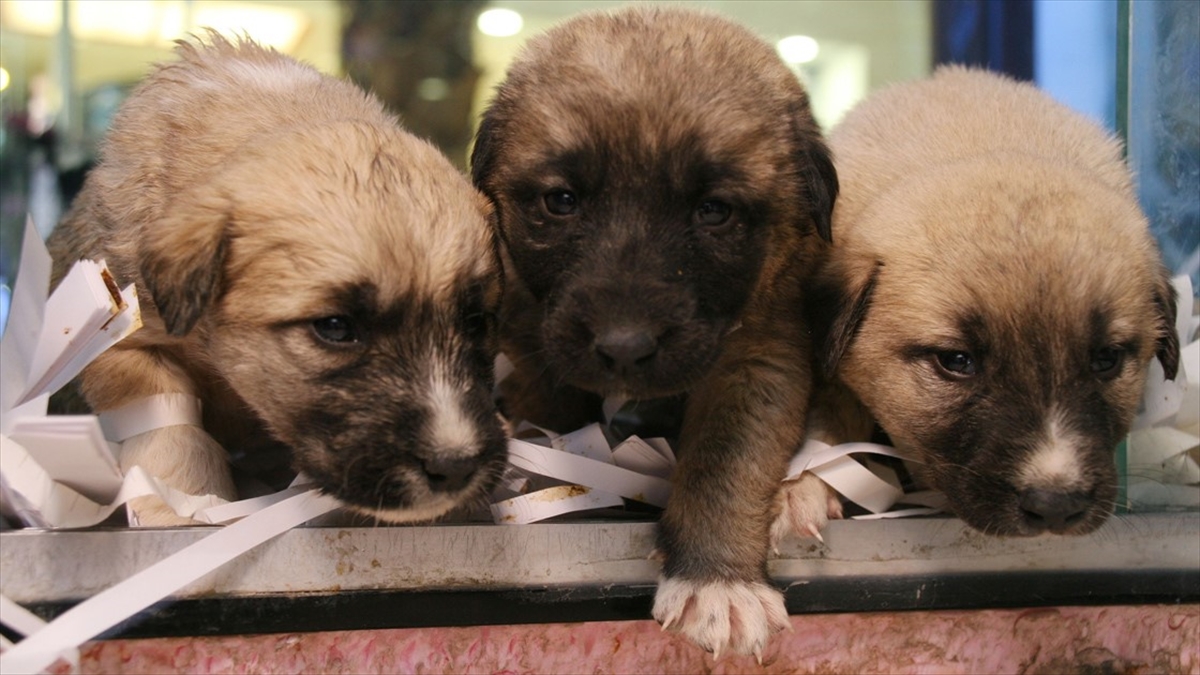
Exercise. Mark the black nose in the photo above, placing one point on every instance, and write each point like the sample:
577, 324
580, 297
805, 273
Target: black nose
448, 474
622, 349
1055, 511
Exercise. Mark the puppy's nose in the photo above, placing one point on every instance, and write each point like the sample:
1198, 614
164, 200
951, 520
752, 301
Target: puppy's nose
448, 474
625, 348
1054, 511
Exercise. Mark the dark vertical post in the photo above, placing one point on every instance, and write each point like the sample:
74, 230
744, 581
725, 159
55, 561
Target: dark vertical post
416, 56
995, 34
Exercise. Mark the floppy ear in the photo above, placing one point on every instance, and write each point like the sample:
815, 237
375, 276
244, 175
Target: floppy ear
815, 166
835, 305
1167, 344
821, 184
483, 154
183, 259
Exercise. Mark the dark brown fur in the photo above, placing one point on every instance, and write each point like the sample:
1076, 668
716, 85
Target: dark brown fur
644, 116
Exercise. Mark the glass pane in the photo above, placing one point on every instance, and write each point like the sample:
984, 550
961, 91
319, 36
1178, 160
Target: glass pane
1163, 126
1160, 115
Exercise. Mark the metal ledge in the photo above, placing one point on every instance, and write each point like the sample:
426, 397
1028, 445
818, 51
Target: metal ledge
40, 567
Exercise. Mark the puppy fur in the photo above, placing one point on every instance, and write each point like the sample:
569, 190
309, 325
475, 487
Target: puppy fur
992, 301
661, 188
315, 275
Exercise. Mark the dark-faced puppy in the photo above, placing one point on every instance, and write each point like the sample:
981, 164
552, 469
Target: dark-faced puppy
316, 276
993, 299
661, 185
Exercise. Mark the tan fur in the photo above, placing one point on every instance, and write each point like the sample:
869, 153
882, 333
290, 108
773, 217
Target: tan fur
244, 193
646, 112
975, 209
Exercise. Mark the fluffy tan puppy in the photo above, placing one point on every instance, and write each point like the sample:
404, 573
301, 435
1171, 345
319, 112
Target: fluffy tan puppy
992, 300
316, 276
661, 189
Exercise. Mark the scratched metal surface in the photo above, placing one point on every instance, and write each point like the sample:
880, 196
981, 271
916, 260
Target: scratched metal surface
56, 566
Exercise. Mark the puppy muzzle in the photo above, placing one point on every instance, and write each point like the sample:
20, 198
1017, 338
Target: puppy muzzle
642, 340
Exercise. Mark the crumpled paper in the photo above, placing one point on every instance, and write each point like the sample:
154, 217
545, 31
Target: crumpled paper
51, 464
1163, 450
61, 470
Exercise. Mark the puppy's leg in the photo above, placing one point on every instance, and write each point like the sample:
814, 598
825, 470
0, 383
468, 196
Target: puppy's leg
741, 427
807, 504
185, 457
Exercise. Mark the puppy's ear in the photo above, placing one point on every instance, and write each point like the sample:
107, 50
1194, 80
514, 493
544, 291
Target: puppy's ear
183, 259
1167, 344
835, 305
483, 154
821, 184
815, 166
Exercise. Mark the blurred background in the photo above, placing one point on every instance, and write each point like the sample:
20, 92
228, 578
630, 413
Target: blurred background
66, 65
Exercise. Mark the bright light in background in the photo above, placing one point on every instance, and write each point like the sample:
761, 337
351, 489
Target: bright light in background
500, 22
158, 21
276, 27
3, 79
797, 49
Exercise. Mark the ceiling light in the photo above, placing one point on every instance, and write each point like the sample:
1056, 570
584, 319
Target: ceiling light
142, 22
797, 48
500, 22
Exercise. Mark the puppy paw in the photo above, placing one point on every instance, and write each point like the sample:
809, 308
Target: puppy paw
806, 505
186, 458
153, 512
721, 616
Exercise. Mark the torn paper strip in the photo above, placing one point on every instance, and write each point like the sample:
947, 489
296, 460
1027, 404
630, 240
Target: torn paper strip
851, 479
108, 608
551, 502
577, 470
25, 318
84, 316
38, 500
1163, 450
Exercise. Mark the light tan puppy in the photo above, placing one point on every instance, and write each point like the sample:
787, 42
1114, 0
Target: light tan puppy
316, 276
992, 300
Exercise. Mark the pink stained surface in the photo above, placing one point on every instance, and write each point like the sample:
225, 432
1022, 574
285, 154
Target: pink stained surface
1126, 639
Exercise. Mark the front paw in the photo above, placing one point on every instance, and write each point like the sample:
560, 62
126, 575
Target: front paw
721, 616
184, 457
806, 505
150, 511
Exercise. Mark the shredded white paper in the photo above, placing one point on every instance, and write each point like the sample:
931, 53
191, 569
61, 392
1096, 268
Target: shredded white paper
1163, 450
103, 611
61, 471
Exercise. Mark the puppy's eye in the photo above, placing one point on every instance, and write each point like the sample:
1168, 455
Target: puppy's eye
335, 330
1107, 362
478, 323
955, 365
713, 214
560, 203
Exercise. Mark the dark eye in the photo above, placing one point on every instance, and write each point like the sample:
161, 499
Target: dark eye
560, 202
955, 365
478, 323
336, 330
1107, 361
713, 213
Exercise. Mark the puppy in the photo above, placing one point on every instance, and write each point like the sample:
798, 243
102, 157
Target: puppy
316, 276
992, 301
660, 185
